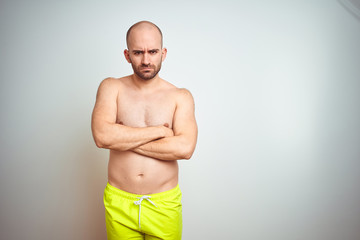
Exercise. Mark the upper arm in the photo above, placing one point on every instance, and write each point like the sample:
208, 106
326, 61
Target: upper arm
105, 109
184, 123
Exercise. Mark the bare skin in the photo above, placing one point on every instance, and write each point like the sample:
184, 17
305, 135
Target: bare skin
147, 123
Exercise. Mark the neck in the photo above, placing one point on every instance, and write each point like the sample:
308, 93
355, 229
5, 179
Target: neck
145, 84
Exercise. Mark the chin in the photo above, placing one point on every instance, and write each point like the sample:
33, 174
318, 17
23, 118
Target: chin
146, 78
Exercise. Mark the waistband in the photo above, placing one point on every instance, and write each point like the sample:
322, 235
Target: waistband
132, 196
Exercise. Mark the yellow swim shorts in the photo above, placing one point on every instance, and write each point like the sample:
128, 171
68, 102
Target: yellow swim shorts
152, 216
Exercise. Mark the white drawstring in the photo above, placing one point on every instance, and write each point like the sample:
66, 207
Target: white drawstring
139, 204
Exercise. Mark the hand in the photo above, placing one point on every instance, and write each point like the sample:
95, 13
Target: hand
168, 131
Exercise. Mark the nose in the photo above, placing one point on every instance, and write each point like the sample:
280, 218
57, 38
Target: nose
145, 59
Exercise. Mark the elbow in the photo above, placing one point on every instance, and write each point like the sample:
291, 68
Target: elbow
100, 140
98, 136
103, 139
106, 143
99, 144
187, 153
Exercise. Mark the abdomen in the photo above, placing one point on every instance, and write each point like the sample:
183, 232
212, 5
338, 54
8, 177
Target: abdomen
138, 174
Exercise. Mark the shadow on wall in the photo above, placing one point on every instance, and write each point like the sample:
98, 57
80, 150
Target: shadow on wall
352, 6
91, 174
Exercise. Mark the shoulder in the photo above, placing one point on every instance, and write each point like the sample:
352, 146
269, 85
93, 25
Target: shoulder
178, 92
113, 84
111, 87
183, 93
184, 97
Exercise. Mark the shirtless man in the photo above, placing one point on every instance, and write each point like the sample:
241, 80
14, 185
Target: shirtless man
148, 124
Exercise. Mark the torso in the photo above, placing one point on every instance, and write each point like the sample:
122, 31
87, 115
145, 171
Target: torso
130, 171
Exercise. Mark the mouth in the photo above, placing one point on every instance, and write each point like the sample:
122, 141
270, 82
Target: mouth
146, 69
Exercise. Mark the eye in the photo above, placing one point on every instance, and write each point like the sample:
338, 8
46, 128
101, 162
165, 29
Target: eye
153, 52
137, 53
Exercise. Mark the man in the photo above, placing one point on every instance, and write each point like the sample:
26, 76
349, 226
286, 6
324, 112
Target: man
148, 124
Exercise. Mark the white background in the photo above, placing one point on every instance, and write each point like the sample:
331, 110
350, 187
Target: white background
277, 91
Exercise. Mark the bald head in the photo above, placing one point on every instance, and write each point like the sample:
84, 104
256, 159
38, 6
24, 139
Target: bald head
143, 26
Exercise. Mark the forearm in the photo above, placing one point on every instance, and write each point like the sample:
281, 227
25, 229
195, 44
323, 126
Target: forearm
169, 148
122, 138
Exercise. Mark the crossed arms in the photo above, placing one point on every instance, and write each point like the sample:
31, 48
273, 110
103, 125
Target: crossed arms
158, 142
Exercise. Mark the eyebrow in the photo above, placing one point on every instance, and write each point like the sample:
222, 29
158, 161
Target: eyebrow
150, 50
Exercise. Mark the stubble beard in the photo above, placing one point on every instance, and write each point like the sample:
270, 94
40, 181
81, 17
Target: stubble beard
149, 75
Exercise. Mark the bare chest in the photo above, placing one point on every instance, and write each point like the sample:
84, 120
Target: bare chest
137, 110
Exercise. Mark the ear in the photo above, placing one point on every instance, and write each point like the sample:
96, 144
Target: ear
163, 54
127, 55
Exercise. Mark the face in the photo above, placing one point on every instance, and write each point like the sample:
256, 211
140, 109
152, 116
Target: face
145, 53
146, 63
